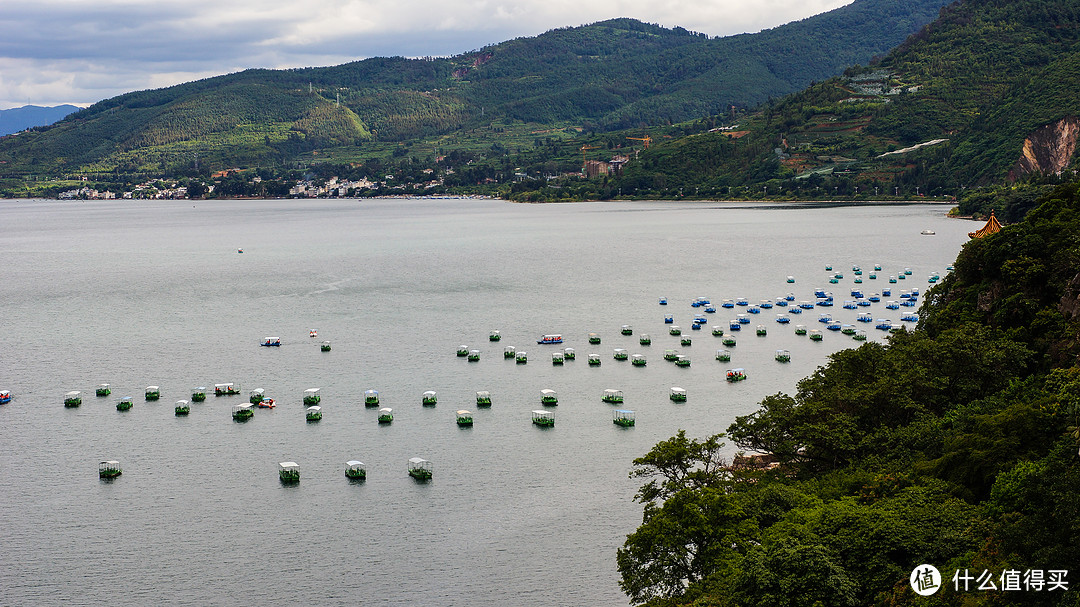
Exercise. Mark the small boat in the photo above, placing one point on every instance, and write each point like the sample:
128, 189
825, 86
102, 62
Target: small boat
806, 305
355, 470
612, 396
685, 341
543, 418
859, 335
734, 375
182, 407
242, 412
570, 354
783, 319
267, 403
239, 250
5, 397
762, 331
637, 360
781, 302
594, 360
521, 358
198, 394
621, 354
557, 358
627, 330
483, 398
474, 356
325, 347
73, 399
153, 393
109, 469
800, 329
256, 396
710, 309
927, 232
289, 472
594, 338
883, 323
675, 330
735, 325
783, 356
727, 303
463, 350
815, 335
728, 342
125, 404
102, 390
723, 356
550, 339
790, 279
789, 297
314, 414
386, 415
371, 398
429, 398
494, 336
741, 301
623, 417
271, 341
682, 361
743, 319
663, 301
228, 389
645, 340
678, 394
670, 355
848, 329
796, 310
718, 331
312, 397
509, 351
865, 317
669, 319
464, 418
313, 333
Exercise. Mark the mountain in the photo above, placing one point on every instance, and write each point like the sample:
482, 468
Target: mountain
607, 75
27, 116
986, 94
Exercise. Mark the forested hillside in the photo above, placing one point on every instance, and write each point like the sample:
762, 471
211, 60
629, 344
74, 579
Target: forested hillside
613, 74
955, 445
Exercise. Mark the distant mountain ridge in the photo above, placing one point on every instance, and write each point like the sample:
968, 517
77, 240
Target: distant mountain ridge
613, 74
21, 118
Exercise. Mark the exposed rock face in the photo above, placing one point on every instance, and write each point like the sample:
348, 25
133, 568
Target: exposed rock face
1049, 149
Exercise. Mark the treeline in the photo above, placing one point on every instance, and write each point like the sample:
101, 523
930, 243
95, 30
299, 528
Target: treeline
954, 445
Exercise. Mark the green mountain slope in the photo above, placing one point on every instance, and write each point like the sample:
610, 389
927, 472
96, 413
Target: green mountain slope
977, 82
613, 74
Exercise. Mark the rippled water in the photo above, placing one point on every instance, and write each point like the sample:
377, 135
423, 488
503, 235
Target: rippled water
155, 293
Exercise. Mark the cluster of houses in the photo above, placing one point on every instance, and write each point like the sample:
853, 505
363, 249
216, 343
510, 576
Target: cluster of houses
141, 191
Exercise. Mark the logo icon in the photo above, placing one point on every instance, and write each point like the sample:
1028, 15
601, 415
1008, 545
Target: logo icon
925, 580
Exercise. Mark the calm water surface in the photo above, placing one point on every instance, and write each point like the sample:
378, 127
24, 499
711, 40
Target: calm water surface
155, 293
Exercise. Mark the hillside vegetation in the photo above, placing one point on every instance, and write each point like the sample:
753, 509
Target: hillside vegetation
608, 75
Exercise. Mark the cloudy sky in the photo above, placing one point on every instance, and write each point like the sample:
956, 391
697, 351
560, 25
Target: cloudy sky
82, 51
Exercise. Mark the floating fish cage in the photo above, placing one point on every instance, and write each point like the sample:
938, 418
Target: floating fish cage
73, 399
622, 417
182, 407
521, 358
314, 413
125, 403
289, 472
686, 341
474, 356
153, 393
682, 361
594, 338
612, 396
557, 358
429, 398
670, 354
494, 336
723, 356
312, 397
242, 412
109, 469
718, 331
371, 398
464, 418
729, 341
594, 360
483, 398
762, 331
325, 347
675, 330
271, 341
638, 360
509, 351
103, 390
627, 330
621, 354
734, 375
548, 397
645, 340
227, 389
783, 356
198, 394
815, 335
800, 329
256, 396
543, 418
386, 415
355, 470
669, 319
420, 469
678, 394
463, 350
569, 354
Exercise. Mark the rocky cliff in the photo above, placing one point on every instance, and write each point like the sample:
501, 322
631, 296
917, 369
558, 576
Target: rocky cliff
1049, 149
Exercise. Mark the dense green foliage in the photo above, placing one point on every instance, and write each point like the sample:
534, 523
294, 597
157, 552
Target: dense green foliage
613, 74
954, 445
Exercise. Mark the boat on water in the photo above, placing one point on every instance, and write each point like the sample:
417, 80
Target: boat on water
355, 470
927, 232
550, 339
266, 403
5, 396
313, 333
289, 472
623, 417
734, 375
271, 341
109, 469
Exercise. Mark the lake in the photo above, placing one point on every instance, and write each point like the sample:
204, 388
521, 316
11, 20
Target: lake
138, 293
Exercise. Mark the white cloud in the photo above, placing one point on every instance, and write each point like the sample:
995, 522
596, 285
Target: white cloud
74, 51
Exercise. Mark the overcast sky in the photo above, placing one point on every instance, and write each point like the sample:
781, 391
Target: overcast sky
82, 51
